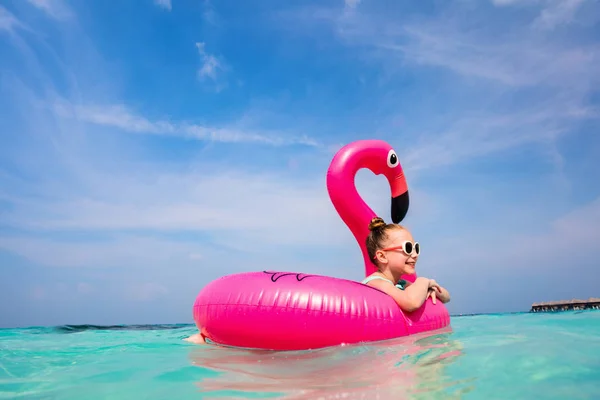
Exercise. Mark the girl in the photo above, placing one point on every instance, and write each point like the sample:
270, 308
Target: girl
392, 249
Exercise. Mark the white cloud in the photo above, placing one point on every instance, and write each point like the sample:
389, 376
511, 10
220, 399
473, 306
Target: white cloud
254, 208
209, 15
533, 87
486, 134
557, 13
120, 117
506, 60
55, 8
212, 68
8, 21
484, 48
552, 13
351, 3
166, 4
210, 64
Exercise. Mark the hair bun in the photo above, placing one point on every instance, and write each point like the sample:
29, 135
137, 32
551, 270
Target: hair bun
376, 224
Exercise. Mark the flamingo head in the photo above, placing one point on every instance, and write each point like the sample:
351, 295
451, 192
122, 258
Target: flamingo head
386, 162
377, 156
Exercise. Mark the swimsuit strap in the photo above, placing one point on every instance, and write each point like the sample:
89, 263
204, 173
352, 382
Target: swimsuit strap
373, 277
400, 285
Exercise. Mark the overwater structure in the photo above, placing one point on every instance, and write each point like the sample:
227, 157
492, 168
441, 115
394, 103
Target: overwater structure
593, 303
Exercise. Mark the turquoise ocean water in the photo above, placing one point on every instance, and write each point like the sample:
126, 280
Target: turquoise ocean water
500, 356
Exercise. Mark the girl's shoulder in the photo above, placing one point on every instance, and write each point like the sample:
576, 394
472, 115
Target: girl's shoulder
373, 277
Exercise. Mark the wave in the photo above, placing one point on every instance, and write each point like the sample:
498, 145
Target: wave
87, 327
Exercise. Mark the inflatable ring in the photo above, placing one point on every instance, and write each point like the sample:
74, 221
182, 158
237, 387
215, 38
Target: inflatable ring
278, 310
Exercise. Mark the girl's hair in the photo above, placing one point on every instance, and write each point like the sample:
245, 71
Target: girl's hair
379, 233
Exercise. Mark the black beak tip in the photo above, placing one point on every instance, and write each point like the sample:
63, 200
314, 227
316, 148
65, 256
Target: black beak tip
399, 207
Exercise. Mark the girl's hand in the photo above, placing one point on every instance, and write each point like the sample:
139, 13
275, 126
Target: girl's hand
433, 285
431, 293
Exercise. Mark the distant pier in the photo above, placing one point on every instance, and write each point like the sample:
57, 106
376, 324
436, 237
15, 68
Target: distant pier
593, 303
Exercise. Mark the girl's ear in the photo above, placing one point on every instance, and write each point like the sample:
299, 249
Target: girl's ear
381, 256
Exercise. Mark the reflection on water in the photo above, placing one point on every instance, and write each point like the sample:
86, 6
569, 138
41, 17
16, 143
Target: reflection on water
411, 367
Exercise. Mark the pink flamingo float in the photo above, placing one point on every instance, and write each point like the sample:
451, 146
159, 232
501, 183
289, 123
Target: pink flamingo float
280, 310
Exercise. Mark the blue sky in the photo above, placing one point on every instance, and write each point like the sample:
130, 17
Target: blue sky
149, 147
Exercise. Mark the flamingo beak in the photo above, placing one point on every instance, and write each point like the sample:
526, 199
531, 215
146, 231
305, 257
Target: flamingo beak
399, 207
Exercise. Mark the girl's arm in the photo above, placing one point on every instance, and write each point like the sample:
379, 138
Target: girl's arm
409, 299
440, 293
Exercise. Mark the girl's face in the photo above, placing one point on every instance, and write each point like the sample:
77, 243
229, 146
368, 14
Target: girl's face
400, 252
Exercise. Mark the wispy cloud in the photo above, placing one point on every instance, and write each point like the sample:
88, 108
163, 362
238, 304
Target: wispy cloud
239, 206
210, 64
212, 68
210, 15
558, 13
120, 117
7, 20
568, 72
57, 9
471, 137
352, 3
552, 13
536, 85
520, 61
204, 206
166, 4
242, 212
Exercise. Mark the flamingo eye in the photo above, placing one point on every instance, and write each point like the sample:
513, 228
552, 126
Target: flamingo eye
392, 159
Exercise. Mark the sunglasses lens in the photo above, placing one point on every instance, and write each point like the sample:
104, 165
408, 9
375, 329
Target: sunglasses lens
408, 247
418, 248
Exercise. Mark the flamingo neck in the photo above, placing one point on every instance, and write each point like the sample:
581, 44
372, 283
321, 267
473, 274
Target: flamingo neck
351, 208
357, 215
